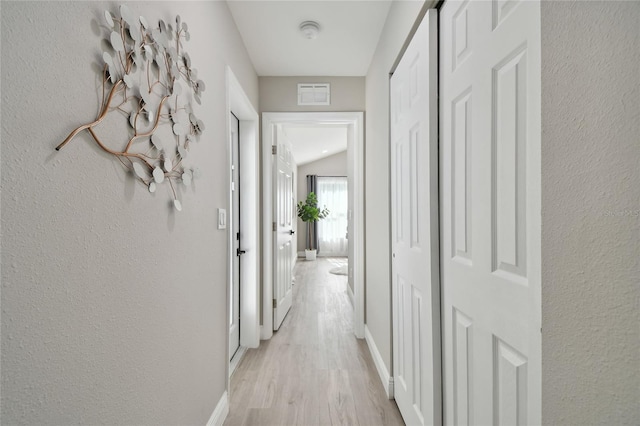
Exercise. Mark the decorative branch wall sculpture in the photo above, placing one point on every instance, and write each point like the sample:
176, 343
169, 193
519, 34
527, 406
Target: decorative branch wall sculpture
144, 76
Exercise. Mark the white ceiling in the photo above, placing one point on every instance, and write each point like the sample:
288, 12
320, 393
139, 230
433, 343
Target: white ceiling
313, 142
349, 34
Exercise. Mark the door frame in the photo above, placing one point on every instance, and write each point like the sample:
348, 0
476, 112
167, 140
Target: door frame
238, 103
355, 140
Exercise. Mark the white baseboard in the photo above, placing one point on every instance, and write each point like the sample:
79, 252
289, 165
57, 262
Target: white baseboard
235, 361
264, 333
385, 377
220, 413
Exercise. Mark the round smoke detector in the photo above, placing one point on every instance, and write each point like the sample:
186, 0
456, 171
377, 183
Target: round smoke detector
310, 29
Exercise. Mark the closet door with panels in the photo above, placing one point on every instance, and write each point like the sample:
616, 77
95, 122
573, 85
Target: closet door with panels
490, 211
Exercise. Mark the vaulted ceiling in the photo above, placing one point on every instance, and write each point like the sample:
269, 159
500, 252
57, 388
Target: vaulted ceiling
313, 142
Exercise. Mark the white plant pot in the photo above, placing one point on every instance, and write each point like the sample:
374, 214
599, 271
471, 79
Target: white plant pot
310, 254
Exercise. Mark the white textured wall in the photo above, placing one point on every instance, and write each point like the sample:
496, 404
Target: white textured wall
591, 213
402, 16
280, 94
333, 165
113, 304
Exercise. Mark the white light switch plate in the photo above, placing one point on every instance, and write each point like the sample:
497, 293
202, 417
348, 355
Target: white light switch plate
222, 219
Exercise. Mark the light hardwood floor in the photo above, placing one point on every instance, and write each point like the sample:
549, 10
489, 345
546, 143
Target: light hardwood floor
313, 371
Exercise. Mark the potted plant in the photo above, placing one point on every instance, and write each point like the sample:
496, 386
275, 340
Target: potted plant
310, 213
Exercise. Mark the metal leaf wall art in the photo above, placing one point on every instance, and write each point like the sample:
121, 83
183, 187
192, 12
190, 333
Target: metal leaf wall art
147, 78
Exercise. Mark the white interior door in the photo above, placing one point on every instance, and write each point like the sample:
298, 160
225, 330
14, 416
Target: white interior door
490, 147
414, 195
234, 293
283, 229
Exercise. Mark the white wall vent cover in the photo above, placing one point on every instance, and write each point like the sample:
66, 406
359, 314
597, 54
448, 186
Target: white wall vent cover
314, 94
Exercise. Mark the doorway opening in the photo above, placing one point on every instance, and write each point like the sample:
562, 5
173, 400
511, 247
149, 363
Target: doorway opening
353, 123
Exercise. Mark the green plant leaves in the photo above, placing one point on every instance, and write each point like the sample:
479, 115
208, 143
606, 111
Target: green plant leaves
309, 211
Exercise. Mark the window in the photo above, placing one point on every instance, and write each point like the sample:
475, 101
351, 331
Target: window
332, 230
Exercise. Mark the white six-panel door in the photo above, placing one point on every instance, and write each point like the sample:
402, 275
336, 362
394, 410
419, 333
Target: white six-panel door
414, 199
490, 211
283, 215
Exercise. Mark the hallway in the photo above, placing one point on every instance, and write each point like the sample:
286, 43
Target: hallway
313, 371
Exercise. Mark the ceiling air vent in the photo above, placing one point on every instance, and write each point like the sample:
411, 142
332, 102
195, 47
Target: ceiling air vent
314, 94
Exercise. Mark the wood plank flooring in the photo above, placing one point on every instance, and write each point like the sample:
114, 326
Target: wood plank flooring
313, 371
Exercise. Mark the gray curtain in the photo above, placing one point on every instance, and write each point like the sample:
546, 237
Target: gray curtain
312, 186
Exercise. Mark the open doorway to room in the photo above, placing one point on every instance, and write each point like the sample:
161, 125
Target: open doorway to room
307, 135
323, 169
321, 156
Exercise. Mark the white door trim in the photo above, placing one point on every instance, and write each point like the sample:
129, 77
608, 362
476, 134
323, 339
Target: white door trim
355, 124
238, 102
